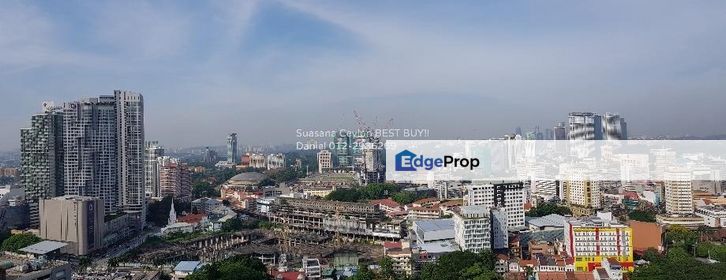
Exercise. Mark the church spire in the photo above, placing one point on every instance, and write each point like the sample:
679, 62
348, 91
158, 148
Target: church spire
172, 214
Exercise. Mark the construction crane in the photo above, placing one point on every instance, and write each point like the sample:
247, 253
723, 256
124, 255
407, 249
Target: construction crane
361, 124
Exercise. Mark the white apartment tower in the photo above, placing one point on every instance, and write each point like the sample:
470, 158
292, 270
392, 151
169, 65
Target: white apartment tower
508, 196
152, 153
678, 192
324, 161
472, 228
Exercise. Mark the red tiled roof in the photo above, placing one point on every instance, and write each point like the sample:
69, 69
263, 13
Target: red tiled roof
392, 245
386, 201
290, 275
191, 218
426, 200
552, 275
450, 203
631, 195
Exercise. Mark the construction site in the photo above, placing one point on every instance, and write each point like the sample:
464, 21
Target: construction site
341, 221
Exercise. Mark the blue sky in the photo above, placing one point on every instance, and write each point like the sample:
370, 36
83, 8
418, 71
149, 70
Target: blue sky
463, 69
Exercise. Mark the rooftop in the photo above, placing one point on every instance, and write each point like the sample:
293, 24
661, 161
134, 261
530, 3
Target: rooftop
435, 224
249, 176
386, 201
187, 266
44, 247
439, 247
551, 220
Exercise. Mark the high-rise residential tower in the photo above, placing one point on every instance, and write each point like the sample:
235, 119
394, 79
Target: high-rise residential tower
41, 159
175, 179
232, 153
90, 141
152, 153
130, 123
103, 141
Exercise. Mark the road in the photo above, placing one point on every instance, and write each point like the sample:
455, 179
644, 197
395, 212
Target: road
123, 248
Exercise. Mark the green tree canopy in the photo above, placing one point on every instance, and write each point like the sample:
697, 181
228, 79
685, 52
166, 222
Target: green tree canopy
545, 209
461, 265
643, 216
678, 264
237, 267
18, 241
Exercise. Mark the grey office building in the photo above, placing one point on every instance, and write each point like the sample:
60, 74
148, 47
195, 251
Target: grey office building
585, 126
614, 127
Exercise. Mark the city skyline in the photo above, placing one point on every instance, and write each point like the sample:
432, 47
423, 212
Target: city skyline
206, 69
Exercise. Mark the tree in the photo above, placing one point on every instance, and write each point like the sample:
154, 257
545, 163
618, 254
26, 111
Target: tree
461, 265
158, 211
285, 175
680, 236
387, 272
203, 189
548, 208
363, 274
379, 190
643, 216
404, 197
232, 225
18, 241
237, 267
267, 182
678, 264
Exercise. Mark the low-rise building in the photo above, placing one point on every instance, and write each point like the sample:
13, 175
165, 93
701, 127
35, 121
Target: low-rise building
434, 230
423, 213
549, 222
401, 256
432, 251
185, 268
387, 205
713, 215
33, 266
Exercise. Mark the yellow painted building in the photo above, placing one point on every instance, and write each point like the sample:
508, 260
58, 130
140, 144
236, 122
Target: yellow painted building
591, 239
